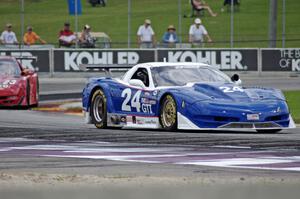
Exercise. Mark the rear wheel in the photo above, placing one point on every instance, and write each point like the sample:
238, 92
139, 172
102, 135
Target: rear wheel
98, 109
168, 113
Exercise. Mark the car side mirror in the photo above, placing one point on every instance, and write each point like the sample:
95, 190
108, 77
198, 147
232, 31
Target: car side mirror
26, 72
137, 83
236, 79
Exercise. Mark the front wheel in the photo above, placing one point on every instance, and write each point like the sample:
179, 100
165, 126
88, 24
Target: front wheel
168, 113
28, 94
98, 109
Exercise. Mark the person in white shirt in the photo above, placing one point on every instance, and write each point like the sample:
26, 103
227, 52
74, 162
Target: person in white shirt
146, 35
197, 33
8, 37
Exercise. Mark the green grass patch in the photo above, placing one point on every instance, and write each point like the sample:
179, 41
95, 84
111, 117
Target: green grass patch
251, 21
293, 99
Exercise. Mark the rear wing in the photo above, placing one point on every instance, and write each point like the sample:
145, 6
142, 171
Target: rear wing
107, 68
26, 57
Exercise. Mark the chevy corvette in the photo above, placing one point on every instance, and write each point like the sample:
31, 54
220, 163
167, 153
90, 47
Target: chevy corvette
18, 85
190, 96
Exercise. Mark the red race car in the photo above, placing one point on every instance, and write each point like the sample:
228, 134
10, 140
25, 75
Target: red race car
19, 86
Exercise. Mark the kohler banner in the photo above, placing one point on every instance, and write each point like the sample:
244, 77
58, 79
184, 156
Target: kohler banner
224, 59
41, 64
69, 60
281, 59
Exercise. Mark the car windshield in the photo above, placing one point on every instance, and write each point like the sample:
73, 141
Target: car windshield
181, 75
9, 68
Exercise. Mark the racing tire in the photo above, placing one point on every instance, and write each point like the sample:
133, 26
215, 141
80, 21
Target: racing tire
28, 94
168, 113
98, 109
37, 95
270, 131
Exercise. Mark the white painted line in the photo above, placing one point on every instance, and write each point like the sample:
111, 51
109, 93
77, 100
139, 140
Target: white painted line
5, 149
232, 147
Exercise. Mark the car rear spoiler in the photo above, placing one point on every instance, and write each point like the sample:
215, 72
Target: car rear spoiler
107, 68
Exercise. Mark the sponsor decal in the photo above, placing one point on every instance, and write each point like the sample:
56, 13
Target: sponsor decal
146, 121
148, 101
228, 60
281, 60
252, 116
7, 83
147, 108
290, 58
123, 119
133, 119
119, 120
74, 59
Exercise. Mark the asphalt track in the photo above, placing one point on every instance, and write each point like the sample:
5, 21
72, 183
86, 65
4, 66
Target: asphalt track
52, 143
45, 142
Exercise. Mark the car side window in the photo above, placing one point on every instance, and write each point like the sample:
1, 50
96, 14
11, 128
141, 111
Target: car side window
141, 74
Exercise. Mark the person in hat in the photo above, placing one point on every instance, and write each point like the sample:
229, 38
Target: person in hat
86, 40
197, 33
8, 37
31, 37
66, 36
200, 4
170, 37
146, 35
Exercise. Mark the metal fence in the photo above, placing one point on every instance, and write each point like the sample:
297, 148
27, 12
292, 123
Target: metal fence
230, 36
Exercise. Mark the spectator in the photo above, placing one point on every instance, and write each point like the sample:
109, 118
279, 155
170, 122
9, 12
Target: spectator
86, 40
8, 37
146, 35
197, 33
31, 37
66, 36
170, 37
228, 2
200, 4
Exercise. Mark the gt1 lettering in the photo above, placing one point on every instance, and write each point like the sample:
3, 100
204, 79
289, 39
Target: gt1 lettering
146, 108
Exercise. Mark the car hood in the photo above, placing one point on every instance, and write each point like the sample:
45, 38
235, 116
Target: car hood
230, 92
9, 84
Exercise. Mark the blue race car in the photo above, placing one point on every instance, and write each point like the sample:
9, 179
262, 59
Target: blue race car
189, 96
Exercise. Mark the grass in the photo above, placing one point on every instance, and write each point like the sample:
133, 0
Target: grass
293, 99
251, 22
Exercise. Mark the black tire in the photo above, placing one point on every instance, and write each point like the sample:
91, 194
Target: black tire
37, 95
28, 94
269, 131
98, 109
168, 113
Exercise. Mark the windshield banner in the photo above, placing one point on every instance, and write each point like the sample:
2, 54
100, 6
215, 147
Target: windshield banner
223, 59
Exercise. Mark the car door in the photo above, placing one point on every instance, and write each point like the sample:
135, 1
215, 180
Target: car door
133, 96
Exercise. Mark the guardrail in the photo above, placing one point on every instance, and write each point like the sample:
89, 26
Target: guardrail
240, 59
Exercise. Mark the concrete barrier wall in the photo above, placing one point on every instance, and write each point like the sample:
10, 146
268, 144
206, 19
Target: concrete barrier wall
244, 59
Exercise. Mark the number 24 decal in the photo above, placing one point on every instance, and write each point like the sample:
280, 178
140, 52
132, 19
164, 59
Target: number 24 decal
226, 89
135, 101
